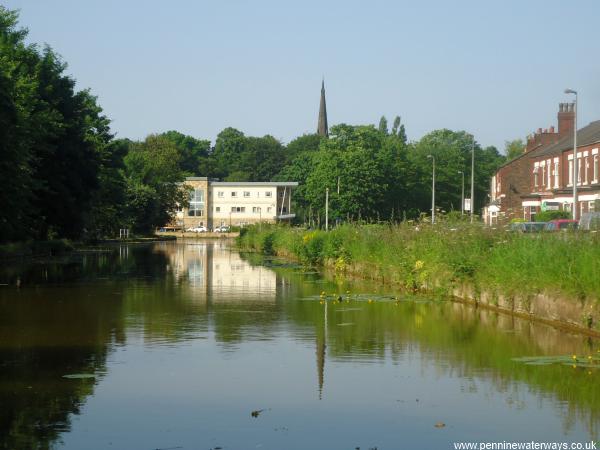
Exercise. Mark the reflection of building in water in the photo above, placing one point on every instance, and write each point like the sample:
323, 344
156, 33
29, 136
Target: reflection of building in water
214, 268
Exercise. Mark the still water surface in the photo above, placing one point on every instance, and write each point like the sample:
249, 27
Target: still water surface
174, 345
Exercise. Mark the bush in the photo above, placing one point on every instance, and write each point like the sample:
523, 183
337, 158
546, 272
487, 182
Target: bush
547, 216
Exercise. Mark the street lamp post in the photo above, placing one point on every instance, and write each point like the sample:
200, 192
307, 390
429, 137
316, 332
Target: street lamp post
575, 162
472, 205
462, 194
432, 190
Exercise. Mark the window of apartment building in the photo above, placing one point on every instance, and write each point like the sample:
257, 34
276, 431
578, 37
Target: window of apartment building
586, 168
238, 209
268, 194
234, 194
246, 193
196, 208
591, 206
535, 176
578, 170
556, 173
220, 194
549, 172
595, 180
269, 209
256, 209
217, 209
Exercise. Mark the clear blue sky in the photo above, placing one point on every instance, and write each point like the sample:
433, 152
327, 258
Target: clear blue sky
496, 69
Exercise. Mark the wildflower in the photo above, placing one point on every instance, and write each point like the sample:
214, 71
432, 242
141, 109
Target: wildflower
419, 264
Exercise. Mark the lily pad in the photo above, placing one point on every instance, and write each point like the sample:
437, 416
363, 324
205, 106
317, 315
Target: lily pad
567, 360
345, 324
79, 376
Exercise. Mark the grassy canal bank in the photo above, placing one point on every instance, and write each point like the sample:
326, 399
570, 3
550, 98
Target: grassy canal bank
551, 276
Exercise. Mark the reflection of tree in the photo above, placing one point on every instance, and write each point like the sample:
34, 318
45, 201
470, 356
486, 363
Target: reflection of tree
40, 343
67, 326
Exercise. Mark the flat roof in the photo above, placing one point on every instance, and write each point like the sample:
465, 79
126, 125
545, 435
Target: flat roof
254, 183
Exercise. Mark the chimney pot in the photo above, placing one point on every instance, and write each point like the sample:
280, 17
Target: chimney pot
539, 131
552, 129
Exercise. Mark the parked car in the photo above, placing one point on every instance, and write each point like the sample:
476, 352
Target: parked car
222, 229
200, 229
527, 227
561, 224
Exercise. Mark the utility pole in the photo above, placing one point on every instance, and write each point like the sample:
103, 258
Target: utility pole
462, 194
326, 209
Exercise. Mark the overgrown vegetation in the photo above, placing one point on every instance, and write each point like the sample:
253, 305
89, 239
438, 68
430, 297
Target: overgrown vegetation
445, 255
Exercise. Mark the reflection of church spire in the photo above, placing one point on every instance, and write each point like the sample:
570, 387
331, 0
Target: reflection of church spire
321, 353
321, 346
322, 129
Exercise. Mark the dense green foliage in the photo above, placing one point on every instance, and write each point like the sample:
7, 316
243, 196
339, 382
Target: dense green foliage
547, 216
446, 255
51, 141
61, 173
514, 148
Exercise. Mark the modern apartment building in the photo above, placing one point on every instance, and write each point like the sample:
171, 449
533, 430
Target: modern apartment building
216, 203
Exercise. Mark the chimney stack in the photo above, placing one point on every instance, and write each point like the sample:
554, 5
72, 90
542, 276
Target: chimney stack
566, 118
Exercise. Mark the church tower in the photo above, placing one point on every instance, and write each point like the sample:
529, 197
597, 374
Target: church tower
322, 129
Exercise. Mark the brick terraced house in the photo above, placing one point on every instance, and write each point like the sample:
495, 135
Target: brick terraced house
541, 178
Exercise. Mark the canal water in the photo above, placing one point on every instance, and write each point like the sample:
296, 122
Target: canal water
192, 345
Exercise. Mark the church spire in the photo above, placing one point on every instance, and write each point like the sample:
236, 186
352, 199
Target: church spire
322, 129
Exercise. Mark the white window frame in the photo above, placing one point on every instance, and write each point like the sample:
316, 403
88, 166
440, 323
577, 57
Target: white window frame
233, 193
571, 167
268, 194
556, 173
247, 194
220, 194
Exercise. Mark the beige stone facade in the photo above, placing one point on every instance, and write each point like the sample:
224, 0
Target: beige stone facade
217, 203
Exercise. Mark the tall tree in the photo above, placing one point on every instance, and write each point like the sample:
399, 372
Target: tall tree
452, 152
383, 125
52, 138
514, 148
193, 153
153, 175
18, 102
